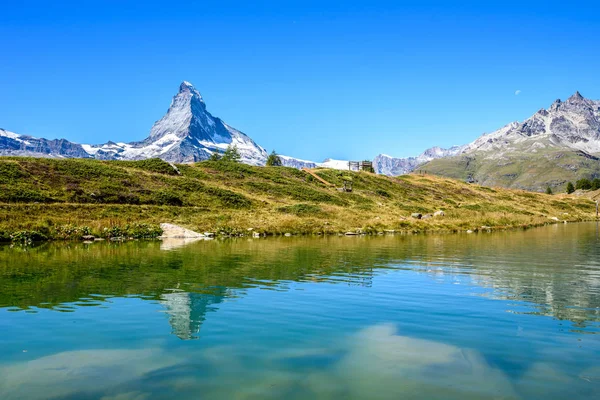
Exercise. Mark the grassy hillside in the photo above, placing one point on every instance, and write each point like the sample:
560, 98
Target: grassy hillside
531, 171
68, 198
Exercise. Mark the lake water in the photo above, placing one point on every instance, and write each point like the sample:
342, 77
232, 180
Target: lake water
512, 315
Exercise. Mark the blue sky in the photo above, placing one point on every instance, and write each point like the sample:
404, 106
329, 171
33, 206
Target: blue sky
312, 79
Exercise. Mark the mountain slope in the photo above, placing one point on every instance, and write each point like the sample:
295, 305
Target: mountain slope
554, 146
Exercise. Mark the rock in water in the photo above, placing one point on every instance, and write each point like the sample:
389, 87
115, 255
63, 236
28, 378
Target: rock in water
171, 231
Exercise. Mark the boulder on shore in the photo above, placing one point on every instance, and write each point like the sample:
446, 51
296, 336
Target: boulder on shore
171, 231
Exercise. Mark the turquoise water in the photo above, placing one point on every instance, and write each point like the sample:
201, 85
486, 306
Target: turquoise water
512, 315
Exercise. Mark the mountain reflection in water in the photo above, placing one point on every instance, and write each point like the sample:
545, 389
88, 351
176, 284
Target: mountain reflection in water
511, 315
553, 271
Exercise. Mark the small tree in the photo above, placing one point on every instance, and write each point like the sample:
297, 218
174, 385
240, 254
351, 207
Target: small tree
548, 190
274, 160
570, 188
583, 184
596, 184
215, 156
232, 154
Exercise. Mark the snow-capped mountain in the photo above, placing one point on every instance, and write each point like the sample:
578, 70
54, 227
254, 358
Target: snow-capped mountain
388, 165
296, 162
573, 124
552, 147
12, 144
186, 133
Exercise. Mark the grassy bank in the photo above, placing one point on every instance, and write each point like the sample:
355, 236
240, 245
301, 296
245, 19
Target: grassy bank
69, 198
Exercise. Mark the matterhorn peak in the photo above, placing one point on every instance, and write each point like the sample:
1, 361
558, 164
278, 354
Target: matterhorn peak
186, 86
187, 90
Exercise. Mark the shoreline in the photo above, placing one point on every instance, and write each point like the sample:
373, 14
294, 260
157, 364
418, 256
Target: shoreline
144, 231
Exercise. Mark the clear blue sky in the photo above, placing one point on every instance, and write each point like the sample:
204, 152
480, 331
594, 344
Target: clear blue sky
312, 79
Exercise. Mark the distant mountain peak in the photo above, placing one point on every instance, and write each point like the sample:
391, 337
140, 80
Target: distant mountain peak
186, 84
576, 97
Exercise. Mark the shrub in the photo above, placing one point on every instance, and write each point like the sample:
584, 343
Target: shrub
383, 193
570, 188
151, 165
232, 154
28, 237
274, 160
10, 172
66, 232
596, 184
166, 198
548, 190
229, 198
20, 195
583, 184
142, 231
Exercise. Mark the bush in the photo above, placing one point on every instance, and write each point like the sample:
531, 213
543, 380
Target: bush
10, 172
70, 232
142, 231
548, 190
383, 193
19, 195
274, 160
228, 198
596, 184
583, 184
570, 188
166, 198
151, 165
232, 154
28, 237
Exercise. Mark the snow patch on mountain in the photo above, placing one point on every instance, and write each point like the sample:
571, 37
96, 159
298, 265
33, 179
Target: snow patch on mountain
392, 166
288, 161
10, 135
334, 164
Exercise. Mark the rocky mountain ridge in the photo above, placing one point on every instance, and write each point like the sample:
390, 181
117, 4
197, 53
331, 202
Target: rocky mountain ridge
552, 147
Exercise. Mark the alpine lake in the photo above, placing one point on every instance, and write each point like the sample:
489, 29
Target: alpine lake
502, 315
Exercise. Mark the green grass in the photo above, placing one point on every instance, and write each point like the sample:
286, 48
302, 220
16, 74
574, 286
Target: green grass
70, 198
520, 170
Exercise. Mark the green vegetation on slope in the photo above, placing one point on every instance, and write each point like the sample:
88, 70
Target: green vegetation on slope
526, 170
70, 198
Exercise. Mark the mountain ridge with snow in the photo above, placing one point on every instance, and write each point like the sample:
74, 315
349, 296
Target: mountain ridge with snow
552, 147
188, 132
